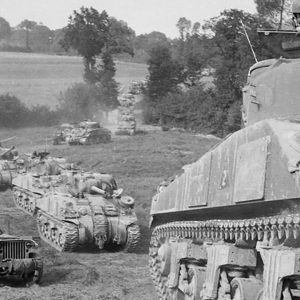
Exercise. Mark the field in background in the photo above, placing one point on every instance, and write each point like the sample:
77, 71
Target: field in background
39, 78
139, 163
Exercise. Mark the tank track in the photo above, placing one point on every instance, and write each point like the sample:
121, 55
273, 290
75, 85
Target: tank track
133, 237
266, 229
160, 282
258, 229
24, 200
61, 235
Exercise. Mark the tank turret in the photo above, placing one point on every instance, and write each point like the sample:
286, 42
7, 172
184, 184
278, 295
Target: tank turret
228, 227
272, 91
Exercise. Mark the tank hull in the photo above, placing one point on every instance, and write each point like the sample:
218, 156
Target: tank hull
68, 219
228, 227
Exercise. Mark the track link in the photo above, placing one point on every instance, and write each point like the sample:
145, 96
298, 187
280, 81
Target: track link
259, 229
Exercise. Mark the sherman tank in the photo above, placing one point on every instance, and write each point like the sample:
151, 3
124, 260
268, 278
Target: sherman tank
228, 226
84, 133
62, 133
75, 208
20, 259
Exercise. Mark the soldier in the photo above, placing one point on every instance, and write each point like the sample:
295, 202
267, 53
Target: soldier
103, 184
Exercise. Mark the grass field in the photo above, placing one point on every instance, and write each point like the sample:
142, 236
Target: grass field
139, 163
39, 78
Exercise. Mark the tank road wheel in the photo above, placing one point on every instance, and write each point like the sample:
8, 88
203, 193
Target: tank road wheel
245, 288
61, 240
133, 237
189, 286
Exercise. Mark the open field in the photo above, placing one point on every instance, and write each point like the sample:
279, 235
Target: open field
139, 163
39, 78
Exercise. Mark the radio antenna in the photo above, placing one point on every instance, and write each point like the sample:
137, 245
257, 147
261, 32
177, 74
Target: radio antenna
249, 42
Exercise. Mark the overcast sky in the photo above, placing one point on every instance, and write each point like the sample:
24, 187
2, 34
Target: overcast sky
143, 16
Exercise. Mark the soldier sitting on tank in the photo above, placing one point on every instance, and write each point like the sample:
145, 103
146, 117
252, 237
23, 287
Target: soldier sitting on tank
102, 184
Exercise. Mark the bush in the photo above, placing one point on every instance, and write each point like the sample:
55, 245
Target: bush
13, 113
194, 110
14, 48
41, 115
82, 100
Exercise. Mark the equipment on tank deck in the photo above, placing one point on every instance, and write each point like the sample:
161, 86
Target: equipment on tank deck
75, 208
19, 259
84, 133
8, 153
229, 226
126, 118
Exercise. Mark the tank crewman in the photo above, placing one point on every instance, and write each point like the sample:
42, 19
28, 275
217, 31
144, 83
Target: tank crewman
102, 184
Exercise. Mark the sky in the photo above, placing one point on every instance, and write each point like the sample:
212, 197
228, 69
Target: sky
143, 16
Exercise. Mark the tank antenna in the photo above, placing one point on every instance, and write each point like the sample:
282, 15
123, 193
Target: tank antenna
249, 42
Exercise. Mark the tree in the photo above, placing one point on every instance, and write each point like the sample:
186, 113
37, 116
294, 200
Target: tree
235, 58
193, 50
164, 76
4, 29
87, 32
184, 26
27, 25
92, 33
41, 37
276, 12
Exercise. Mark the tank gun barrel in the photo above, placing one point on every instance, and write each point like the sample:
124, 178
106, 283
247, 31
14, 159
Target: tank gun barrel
2, 155
97, 190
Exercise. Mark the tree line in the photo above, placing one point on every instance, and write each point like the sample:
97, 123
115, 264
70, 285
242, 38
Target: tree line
195, 81
177, 93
